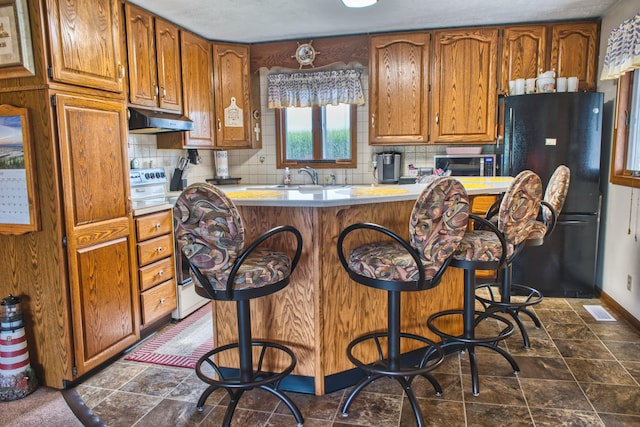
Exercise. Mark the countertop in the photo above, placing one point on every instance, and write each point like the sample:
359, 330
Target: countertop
319, 196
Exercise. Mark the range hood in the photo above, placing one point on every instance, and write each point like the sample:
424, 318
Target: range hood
149, 121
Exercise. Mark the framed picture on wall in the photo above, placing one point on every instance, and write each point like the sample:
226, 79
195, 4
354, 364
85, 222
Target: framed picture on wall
16, 52
18, 200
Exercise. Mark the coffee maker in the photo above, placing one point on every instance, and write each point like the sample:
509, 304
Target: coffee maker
388, 166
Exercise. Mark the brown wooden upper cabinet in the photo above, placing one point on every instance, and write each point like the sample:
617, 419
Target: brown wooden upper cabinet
232, 95
574, 52
97, 64
197, 91
153, 48
464, 88
524, 53
398, 88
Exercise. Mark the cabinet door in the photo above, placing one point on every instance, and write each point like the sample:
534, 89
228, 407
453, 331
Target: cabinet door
524, 53
98, 225
197, 69
464, 85
168, 61
86, 48
232, 87
398, 89
574, 52
141, 49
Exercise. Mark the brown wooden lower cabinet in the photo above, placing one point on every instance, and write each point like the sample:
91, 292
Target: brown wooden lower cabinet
322, 310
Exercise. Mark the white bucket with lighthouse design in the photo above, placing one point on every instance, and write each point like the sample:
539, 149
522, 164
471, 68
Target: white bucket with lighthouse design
17, 379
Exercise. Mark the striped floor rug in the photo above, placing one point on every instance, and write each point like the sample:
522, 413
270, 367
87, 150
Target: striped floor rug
181, 344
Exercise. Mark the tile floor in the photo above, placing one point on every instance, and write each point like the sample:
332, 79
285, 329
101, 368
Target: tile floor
578, 372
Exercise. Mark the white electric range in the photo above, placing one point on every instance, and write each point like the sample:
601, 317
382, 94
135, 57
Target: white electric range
149, 194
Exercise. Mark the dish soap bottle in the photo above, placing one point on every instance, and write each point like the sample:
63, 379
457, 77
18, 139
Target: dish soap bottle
287, 176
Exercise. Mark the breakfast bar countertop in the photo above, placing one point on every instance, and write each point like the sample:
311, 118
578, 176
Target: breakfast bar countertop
319, 196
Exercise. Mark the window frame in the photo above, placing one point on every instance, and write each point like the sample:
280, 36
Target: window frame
618, 172
316, 118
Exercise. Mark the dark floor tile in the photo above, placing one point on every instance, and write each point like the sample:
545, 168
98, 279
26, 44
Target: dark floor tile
558, 316
634, 369
122, 409
282, 420
554, 304
116, 375
489, 363
494, 390
382, 385
615, 420
92, 396
479, 414
451, 387
617, 331
550, 368
373, 409
435, 413
541, 347
190, 389
241, 417
256, 400
318, 407
450, 364
572, 331
585, 349
155, 381
181, 414
565, 418
616, 399
629, 351
547, 394
599, 371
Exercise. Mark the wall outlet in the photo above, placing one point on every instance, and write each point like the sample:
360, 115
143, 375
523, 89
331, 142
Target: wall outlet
628, 282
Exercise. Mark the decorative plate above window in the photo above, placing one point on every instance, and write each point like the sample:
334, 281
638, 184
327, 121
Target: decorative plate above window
305, 54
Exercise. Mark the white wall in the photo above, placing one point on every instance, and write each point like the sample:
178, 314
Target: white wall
621, 247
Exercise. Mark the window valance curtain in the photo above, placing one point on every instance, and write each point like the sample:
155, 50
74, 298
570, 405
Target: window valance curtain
314, 89
623, 49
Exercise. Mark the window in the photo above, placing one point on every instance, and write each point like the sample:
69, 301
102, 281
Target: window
625, 158
321, 137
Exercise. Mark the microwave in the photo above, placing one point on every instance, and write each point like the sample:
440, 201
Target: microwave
467, 164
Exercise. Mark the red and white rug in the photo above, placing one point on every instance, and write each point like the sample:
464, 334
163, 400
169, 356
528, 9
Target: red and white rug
180, 345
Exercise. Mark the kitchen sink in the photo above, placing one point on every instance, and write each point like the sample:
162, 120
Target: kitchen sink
303, 187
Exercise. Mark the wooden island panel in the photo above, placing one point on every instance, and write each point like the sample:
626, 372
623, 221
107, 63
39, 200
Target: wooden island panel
322, 309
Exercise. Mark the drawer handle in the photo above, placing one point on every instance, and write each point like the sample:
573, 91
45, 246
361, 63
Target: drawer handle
160, 273
160, 249
158, 226
162, 300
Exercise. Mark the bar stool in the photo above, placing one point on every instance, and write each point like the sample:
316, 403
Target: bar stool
436, 227
492, 248
211, 233
497, 296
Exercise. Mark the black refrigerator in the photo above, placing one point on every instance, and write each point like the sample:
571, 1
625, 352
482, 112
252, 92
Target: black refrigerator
542, 131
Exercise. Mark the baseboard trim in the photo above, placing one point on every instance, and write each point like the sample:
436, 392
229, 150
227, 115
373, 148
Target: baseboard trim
613, 305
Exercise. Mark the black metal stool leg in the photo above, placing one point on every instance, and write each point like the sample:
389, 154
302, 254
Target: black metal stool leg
357, 389
292, 407
417, 412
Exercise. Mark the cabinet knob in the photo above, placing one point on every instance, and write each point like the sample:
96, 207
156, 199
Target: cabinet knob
219, 124
160, 249
155, 91
373, 121
162, 300
157, 226
160, 273
437, 119
121, 71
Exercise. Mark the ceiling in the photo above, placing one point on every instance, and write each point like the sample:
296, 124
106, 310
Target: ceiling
252, 21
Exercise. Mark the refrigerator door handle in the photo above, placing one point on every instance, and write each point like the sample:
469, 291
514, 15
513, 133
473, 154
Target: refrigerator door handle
571, 222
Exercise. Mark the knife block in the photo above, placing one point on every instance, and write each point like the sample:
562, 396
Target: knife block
177, 182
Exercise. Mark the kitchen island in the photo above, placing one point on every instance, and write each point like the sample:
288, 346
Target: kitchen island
322, 310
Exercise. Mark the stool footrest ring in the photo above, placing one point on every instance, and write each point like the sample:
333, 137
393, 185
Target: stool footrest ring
533, 296
480, 315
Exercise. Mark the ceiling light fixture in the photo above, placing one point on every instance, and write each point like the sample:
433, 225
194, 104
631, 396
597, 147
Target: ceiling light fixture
359, 3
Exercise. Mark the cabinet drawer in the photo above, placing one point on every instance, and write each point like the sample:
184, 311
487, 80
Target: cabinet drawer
158, 301
155, 249
154, 225
152, 274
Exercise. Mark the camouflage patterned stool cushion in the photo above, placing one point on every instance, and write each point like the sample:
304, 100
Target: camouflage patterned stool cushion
437, 224
516, 218
211, 233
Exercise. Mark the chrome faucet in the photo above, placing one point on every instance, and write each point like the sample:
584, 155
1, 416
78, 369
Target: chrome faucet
311, 172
